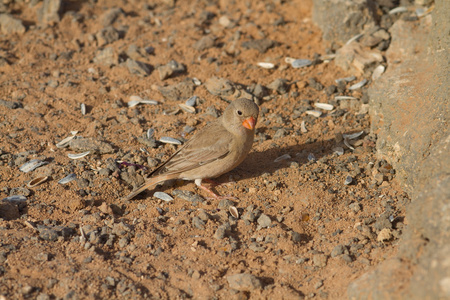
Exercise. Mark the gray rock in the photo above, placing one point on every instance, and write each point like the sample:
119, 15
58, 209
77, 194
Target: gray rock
110, 281
66, 232
120, 229
315, 84
179, 91
320, 260
48, 234
48, 14
170, 69
151, 143
244, 282
131, 177
347, 258
43, 296
220, 86
264, 221
8, 210
107, 35
353, 57
338, 250
90, 144
203, 215
330, 90
123, 242
356, 207
415, 141
136, 53
341, 20
259, 91
11, 104
204, 43
222, 231
105, 172
51, 283
10, 25
188, 196
296, 237
198, 223
383, 222
138, 68
20, 191
212, 111
110, 16
256, 247
279, 85
71, 295
319, 284
53, 83
42, 257
280, 133
27, 289
107, 57
249, 214
374, 38
261, 45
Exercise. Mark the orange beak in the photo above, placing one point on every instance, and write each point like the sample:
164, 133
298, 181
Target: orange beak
249, 123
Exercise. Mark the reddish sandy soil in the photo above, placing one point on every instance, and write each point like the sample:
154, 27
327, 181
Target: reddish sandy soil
322, 234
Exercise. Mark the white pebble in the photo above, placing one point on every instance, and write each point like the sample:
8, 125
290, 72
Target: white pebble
163, 196
169, 140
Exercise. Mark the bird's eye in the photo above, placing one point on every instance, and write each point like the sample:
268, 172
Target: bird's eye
239, 112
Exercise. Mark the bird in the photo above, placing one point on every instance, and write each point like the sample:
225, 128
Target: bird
216, 149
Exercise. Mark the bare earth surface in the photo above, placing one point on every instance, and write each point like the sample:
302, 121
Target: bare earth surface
301, 232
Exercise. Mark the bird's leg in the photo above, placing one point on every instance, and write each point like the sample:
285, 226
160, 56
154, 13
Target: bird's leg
215, 183
211, 182
198, 182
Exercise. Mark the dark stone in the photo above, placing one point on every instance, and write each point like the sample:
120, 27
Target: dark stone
261, 45
48, 234
11, 104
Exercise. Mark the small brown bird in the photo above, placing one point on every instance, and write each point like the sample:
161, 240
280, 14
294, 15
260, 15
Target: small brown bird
216, 149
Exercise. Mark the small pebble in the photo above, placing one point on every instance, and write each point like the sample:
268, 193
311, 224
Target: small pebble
347, 258
169, 140
244, 282
163, 196
319, 284
320, 260
358, 85
337, 250
264, 221
198, 223
348, 180
296, 237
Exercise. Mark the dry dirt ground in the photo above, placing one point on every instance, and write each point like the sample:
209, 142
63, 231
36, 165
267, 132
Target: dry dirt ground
301, 231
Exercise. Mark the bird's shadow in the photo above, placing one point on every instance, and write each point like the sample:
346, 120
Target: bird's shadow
260, 162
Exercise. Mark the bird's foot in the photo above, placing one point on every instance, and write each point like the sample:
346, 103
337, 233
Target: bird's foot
215, 183
214, 195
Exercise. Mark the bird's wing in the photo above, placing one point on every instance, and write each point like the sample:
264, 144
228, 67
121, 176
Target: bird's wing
208, 145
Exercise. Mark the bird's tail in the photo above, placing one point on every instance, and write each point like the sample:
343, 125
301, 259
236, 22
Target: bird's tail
149, 183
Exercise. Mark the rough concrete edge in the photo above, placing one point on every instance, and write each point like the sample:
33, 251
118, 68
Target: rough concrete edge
426, 259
